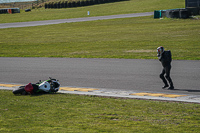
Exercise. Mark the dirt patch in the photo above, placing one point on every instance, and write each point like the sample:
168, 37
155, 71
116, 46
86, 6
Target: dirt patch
79, 52
140, 51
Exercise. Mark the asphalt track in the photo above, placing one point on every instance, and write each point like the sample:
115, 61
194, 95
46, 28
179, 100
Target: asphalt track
48, 22
130, 78
119, 75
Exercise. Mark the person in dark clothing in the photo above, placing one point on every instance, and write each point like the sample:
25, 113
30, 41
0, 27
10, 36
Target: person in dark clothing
165, 58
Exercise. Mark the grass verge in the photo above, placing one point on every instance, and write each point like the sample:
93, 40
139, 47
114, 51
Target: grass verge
124, 7
78, 113
118, 38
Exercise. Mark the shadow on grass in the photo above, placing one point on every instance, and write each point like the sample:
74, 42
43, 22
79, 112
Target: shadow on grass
39, 94
46, 94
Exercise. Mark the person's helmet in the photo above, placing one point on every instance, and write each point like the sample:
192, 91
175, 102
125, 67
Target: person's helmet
160, 50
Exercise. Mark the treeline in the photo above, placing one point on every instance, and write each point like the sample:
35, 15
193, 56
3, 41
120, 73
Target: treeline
77, 3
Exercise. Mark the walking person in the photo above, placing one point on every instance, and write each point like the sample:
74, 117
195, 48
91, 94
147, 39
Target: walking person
165, 58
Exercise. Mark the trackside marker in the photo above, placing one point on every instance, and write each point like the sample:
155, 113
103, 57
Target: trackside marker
92, 89
9, 85
61, 88
157, 95
77, 89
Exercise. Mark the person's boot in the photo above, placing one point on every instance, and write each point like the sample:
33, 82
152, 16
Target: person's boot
171, 88
165, 86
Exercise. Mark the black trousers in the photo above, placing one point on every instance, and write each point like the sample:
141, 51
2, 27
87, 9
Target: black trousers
166, 72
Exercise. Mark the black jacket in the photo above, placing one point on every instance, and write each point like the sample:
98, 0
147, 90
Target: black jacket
166, 58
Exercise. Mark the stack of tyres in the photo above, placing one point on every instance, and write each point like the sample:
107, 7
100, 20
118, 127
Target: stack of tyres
3, 11
177, 13
184, 14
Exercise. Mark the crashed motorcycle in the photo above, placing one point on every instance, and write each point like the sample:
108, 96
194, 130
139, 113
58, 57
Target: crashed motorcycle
41, 87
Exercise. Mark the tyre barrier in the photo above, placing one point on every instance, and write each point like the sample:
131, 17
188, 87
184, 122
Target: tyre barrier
3, 11
78, 3
177, 13
172, 13
9, 10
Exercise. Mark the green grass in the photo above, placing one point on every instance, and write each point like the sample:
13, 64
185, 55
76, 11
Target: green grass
130, 38
78, 113
124, 7
118, 38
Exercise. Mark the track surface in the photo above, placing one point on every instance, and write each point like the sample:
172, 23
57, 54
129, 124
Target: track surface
48, 22
121, 74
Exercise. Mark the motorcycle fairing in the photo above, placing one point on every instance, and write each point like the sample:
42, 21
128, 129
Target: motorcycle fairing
45, 86
56, 85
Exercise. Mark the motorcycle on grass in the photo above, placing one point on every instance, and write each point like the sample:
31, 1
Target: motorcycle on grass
41, 87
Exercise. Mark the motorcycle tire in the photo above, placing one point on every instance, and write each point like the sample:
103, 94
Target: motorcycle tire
20, 90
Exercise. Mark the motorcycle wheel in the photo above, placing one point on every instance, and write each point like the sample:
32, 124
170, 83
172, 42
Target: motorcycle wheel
20, 90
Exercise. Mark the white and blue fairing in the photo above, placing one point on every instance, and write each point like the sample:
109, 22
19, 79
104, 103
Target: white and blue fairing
45, 86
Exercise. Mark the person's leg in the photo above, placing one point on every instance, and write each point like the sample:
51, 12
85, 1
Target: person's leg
163, 78
167, 71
